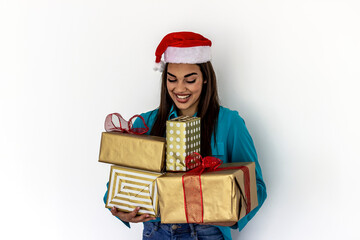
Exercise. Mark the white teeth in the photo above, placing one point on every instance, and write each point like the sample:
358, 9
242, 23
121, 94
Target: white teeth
182, 97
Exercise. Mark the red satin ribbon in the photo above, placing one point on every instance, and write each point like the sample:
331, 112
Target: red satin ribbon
125, 126
191, 180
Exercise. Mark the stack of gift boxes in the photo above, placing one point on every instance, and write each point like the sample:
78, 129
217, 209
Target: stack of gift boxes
155, 174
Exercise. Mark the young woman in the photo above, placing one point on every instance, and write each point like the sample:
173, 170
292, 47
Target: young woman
189, 88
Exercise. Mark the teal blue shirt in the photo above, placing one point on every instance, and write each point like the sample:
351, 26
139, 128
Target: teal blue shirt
233, 144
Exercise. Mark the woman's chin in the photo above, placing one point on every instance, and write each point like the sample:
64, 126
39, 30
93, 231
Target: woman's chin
181, 106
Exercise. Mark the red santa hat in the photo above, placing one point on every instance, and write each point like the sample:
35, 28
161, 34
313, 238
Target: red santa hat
182, 47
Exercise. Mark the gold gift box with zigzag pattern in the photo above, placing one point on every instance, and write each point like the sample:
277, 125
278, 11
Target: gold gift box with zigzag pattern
130, 188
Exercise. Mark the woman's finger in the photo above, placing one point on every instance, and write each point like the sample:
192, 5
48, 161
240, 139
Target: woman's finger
122, 215
114, 211
142, 218
134, 212
148, 219
131, 217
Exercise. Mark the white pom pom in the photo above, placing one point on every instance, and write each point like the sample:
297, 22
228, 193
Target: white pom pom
159, 66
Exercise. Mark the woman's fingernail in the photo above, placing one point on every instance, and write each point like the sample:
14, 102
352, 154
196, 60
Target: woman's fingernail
147, 216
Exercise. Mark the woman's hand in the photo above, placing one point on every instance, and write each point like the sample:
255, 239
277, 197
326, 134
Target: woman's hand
224, 224
131, 216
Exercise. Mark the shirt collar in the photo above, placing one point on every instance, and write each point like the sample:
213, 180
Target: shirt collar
173, 113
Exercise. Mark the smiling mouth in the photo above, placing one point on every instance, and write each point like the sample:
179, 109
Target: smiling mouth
183, 96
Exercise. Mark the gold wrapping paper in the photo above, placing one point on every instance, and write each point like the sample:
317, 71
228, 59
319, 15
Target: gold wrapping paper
182, 139
223, 195
131, 188
136, 151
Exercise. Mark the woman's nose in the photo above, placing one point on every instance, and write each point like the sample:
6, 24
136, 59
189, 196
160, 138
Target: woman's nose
180, 87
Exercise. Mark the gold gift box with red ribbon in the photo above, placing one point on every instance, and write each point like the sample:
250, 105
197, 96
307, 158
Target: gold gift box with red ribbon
224, 194
126, 146
135, 151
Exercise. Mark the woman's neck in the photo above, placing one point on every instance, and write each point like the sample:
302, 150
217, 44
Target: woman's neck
187, 112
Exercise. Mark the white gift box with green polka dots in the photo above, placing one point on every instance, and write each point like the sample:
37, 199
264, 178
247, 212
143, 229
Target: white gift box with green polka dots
182, 139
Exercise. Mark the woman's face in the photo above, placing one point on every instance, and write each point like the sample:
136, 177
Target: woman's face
184, 84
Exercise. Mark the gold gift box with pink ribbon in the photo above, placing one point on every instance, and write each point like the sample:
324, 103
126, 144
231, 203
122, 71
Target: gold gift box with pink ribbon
224, 194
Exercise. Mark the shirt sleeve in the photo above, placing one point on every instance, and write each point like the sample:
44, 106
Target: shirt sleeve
240, 148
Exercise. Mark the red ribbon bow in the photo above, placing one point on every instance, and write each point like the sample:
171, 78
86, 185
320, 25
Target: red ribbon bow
125, 126
198, 164
191, 180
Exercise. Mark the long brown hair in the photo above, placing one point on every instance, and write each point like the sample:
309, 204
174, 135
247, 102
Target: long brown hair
208, 108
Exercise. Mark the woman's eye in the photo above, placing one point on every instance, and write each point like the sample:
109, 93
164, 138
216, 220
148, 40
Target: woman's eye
191, 81
171, 80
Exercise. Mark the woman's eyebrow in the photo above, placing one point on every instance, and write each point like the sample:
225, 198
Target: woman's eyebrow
187, 75
171, 74
190, 74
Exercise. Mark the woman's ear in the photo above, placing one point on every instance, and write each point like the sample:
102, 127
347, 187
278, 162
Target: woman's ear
205, 81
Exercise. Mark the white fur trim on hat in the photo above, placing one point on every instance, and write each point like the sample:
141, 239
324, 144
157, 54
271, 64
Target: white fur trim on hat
190, 55
159, 66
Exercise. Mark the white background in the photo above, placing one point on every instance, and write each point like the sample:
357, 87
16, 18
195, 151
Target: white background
291, 68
